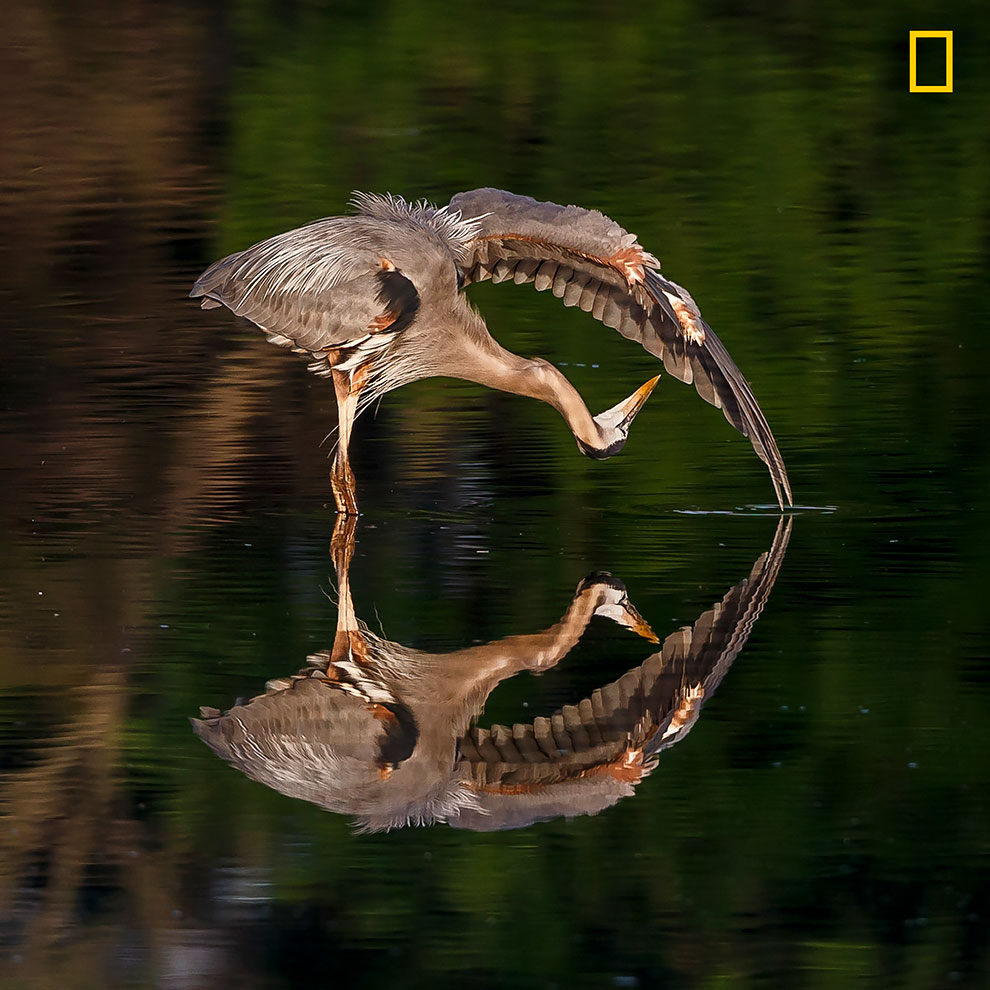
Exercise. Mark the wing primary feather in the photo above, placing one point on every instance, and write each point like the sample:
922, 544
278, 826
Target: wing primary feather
761, 435
735, 395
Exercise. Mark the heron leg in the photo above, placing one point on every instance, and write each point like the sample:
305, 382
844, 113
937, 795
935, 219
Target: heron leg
347, 386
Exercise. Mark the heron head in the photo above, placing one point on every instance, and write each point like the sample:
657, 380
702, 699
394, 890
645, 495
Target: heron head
613, 424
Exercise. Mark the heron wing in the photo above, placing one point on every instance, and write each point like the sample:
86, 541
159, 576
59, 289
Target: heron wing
613, 736
316, 289
588, 260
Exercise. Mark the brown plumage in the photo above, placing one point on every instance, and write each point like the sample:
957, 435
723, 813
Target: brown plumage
375, 301
382, 732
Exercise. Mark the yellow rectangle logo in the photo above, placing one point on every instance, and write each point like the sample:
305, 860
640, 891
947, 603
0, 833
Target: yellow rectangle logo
913, 79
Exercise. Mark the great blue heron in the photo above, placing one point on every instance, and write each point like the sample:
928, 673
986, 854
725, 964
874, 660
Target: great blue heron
375, 300
383, 732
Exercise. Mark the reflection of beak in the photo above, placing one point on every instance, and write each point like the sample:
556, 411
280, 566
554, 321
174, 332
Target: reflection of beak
622, 414
631, 619
625, 614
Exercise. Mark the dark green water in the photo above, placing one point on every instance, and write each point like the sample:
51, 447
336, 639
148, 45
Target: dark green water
166, 535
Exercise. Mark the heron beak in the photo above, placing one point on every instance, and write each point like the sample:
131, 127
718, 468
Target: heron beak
634, 403
622, 414
613, 424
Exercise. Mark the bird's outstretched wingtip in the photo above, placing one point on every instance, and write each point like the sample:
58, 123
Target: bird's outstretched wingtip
782, 489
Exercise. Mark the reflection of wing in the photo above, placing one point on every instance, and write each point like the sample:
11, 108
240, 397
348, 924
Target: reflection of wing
586, 756
588, 260
310, 735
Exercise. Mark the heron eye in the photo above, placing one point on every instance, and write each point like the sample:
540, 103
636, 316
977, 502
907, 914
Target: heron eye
460, 279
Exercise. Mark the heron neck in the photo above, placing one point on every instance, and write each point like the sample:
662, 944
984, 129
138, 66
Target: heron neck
490, 364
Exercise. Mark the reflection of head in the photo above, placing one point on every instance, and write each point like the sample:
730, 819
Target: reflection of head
382, 732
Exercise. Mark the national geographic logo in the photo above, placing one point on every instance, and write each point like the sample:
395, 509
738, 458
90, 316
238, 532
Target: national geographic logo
946, 39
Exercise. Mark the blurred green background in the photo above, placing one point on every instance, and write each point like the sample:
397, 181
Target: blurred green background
164, 527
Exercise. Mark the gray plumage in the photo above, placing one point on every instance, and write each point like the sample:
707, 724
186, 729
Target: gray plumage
374, 301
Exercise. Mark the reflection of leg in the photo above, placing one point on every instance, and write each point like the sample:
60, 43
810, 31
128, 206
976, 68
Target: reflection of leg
348, 388
348, 643
342, 545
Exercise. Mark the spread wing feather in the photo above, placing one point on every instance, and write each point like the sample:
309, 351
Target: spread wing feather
586, 259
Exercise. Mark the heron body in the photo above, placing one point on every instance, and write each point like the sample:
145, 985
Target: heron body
375, 300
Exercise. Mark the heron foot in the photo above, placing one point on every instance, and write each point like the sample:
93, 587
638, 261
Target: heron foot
344, 489
346, 502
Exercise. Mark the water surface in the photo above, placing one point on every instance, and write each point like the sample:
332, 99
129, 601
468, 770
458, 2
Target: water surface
167, 539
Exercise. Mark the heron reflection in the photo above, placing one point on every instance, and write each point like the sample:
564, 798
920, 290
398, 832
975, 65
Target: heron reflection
385, 733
